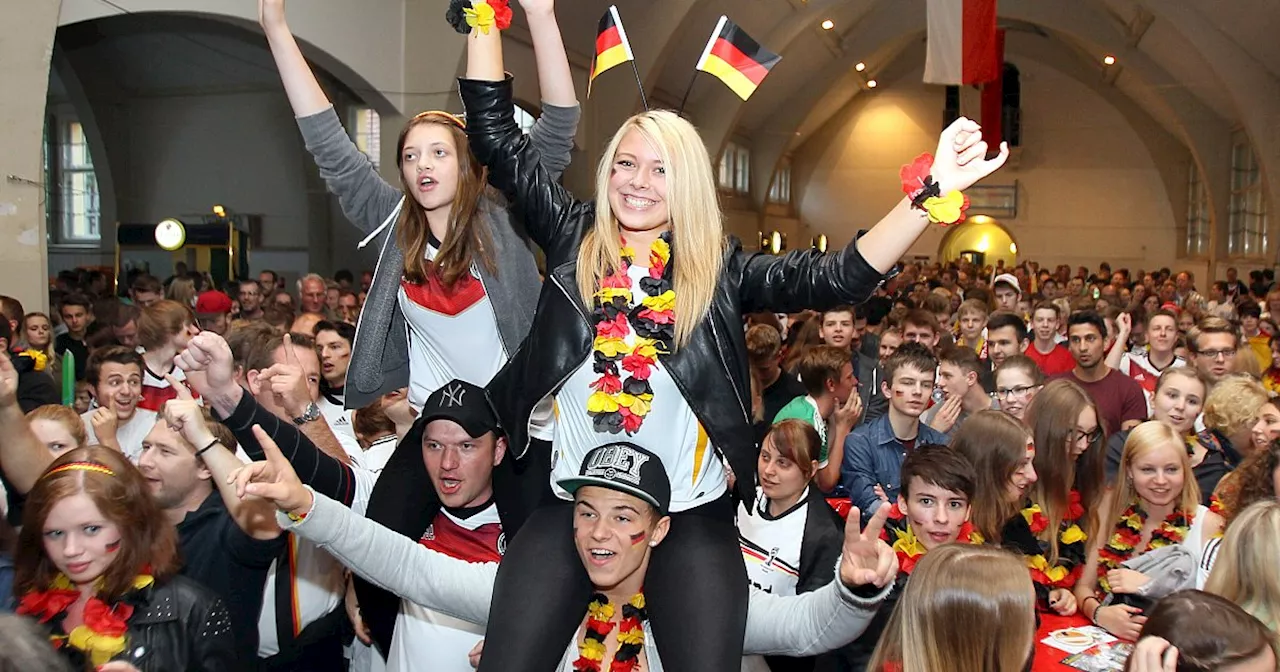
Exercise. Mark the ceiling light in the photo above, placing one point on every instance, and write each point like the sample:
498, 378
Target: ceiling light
1108, 60
860, 66
871, 83
828, 24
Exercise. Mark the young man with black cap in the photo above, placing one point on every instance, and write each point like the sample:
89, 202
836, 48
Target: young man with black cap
619, 518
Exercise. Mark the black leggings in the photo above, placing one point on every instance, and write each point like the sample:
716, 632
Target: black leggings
695, 591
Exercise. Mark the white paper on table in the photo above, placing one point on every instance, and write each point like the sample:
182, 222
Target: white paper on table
1062, 639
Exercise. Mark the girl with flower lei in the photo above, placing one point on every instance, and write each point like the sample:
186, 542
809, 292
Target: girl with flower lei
639, 332
1156, 503
96, 566
1053, 527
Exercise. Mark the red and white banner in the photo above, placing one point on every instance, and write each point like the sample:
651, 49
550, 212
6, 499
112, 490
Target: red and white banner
962, 42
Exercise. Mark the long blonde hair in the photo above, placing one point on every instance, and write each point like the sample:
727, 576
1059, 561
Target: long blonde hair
1144, 438
1244, 571
966, 609
697, 225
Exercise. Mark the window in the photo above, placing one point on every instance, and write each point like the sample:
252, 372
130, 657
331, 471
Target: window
780, 190
1247, 211
1197, 215
73, 207
366, 131
523, 119
735, 169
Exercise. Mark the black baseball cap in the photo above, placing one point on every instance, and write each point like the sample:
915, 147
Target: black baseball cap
464, 403
624, 467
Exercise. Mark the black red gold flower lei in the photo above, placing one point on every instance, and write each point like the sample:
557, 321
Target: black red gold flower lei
600, 624
464, 15
617, 405
926, 195
102, 635
1123, 542
1061, 575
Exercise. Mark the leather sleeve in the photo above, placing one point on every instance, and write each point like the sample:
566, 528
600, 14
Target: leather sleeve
803, 279
514, 164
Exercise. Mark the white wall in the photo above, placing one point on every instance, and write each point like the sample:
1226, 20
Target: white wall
1089, 189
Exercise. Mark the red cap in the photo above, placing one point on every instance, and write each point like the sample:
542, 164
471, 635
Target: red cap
213, 302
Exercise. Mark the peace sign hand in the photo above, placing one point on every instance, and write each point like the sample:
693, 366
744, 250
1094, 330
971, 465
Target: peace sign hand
865, 559
961, 158
272, 479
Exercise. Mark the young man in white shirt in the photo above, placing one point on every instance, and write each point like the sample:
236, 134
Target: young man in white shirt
1146, 367
333, 345
114, 374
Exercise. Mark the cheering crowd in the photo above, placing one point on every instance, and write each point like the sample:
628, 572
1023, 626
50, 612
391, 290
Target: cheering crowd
653, 450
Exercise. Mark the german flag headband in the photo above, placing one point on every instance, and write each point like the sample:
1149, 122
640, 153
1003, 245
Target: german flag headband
81, 466
441, 115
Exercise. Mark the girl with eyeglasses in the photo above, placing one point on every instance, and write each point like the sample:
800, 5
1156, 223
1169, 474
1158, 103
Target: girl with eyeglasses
1018, 379
1060, 514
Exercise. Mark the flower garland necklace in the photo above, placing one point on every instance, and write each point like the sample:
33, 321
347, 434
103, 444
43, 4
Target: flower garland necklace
617, 405
1128, 535
102, 635
600, 624
910, 550
1042, 571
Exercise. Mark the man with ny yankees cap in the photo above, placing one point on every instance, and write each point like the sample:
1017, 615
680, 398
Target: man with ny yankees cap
621, 498
452, 450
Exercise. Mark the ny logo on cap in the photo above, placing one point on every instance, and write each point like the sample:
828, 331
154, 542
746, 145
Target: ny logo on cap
453, 396
616, 463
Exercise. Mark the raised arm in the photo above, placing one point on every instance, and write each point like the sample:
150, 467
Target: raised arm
397, 564
552, 134
367, 199
810, 279
836, 614
255, 517
515, 163
208, 364
22, 456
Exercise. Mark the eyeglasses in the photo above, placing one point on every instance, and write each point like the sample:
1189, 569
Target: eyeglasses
1217, 354
1014, 392
1091, 436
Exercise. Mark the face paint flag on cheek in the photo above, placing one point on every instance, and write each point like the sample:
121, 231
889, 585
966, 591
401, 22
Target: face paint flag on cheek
637, 538
113, 546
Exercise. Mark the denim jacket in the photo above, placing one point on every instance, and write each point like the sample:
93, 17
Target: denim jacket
872, 454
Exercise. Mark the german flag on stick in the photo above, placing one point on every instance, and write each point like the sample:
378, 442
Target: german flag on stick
736, 59
612, 47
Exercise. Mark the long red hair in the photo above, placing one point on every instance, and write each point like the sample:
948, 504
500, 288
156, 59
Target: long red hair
146, 536
468, 238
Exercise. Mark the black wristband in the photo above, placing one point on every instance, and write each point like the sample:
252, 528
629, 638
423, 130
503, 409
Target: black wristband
204, 450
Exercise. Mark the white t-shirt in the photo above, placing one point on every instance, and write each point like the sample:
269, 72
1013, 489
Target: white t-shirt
429, 640
129, 435
453, 333
670, 431
375, 458
339, 420
319, 585
771, 545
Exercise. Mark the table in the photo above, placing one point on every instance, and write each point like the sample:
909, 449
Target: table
1047, 658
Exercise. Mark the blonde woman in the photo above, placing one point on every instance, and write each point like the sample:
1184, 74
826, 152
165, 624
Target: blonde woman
1244, 566
1231, 410
60, 429
1156, 503
648, 259
182, 290
36, 333
966, 609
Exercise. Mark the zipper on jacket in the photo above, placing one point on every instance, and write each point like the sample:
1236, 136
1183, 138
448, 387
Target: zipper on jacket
528, 436
720, 353
475, 270
376, 267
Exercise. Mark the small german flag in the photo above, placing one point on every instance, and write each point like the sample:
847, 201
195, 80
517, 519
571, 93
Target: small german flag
736, 59
612, 47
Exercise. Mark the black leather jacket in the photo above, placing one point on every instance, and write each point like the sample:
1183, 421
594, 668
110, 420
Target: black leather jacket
177, 626
711, 369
